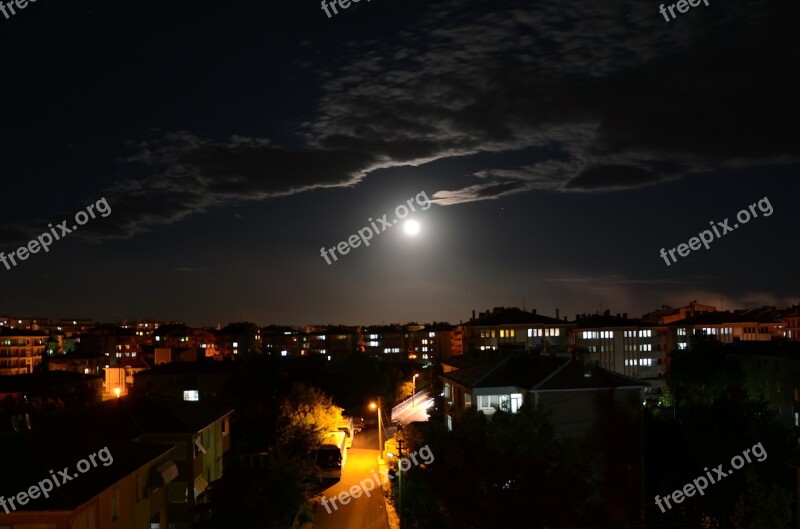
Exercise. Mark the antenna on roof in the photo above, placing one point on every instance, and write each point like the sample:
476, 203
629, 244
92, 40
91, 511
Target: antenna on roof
523, 303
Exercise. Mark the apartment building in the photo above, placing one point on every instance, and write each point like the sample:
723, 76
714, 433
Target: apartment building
726, 327
386, 339
512, 329
280, 340
630, 347
20, 350
128, 493
431, 342
166, 452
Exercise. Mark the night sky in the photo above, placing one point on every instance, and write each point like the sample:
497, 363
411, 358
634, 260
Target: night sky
564, 143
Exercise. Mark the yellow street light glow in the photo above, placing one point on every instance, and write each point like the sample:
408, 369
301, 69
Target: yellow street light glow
117, 391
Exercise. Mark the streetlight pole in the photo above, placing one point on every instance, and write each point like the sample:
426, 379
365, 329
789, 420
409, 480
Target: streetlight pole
380, 428
414, 391
380, 431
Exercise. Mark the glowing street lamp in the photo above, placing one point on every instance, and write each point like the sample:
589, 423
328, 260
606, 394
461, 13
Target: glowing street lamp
117, 391
414, 391
373, 406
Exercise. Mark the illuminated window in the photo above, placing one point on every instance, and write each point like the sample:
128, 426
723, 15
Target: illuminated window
191, 395
371, 337
431, 334
114, 507
373, 343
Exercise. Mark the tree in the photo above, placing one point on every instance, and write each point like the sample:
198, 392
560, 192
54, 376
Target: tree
762, 505
306, 415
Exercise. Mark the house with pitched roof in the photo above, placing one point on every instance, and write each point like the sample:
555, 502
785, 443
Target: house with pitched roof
574, 394
166, 452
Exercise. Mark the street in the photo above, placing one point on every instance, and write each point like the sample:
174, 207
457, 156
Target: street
363, 512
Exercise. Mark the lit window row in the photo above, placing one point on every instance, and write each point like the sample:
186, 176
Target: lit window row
391, 350
646, 347
506, 333
373, 343
594, 335
487, 333
640, 361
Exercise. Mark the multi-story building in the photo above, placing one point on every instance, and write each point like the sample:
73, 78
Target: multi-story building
631, 347
726, 327
281, 340
20, 350
236, 339
513, 329
111, 341
792, 324
175, 342
334, 342
125, 488
434, 341
189, 381
386, 339
166, 452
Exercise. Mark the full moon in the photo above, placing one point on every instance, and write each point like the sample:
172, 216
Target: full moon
411, 227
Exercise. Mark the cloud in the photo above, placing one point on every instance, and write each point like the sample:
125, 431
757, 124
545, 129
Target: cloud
607, 95
598, 97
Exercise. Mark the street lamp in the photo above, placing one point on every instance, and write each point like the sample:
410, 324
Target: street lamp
414, 391
372, 406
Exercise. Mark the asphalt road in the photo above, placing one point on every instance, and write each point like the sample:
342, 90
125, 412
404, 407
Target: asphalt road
363, 512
